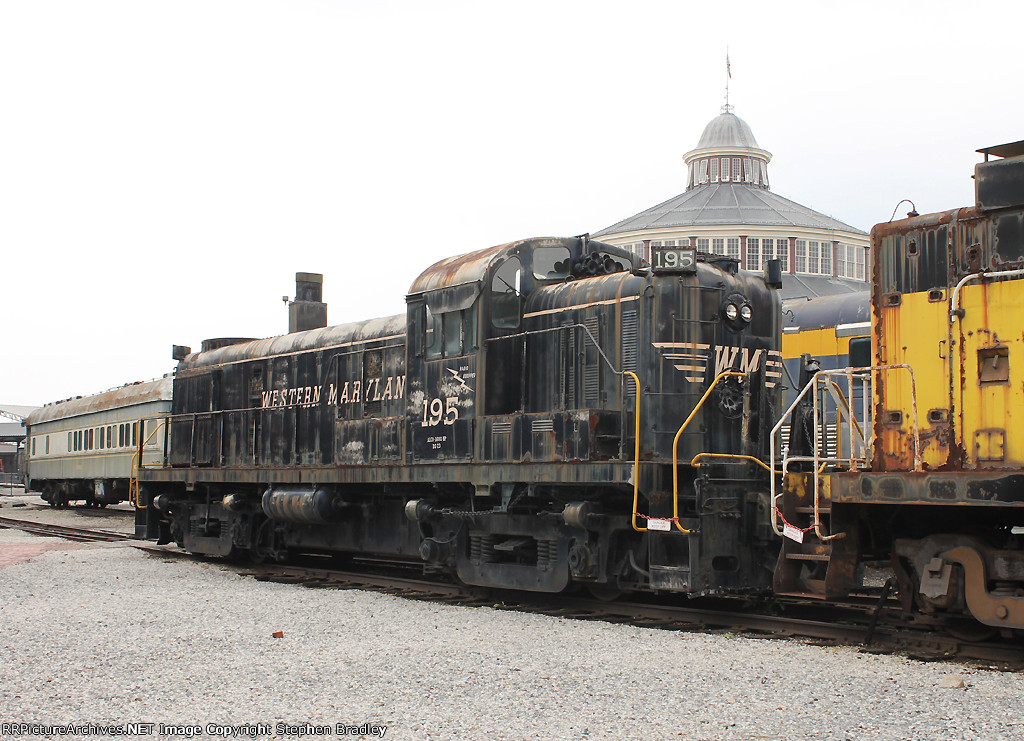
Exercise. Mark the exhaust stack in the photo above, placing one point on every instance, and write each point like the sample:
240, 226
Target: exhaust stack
307, 311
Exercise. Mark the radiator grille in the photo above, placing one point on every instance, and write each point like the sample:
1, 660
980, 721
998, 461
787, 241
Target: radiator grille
629, 347
592, 369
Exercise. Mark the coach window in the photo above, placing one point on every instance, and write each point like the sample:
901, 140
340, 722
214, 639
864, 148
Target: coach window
506, 289
135, 433
860, 352
103, 437
33, 446
47, 444
120, 436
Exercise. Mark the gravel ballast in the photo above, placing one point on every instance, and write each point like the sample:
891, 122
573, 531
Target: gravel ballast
112, 635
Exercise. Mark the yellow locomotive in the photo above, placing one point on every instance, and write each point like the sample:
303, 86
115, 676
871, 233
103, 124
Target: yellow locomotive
935, 481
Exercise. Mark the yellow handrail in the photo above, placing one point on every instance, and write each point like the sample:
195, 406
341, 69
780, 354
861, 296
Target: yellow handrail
137, 465
636, 452
733, 456
675, 446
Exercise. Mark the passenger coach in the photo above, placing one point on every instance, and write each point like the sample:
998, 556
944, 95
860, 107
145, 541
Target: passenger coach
82, 449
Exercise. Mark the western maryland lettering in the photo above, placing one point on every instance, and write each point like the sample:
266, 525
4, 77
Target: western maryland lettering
350, 392
692, 359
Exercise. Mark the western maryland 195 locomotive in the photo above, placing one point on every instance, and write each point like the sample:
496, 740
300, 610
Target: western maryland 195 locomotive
516, 427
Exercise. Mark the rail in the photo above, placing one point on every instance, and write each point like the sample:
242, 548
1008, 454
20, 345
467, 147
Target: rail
859, 442
675, 456
675, 444
139, 463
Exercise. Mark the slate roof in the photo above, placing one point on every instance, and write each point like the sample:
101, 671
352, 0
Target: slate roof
727, 204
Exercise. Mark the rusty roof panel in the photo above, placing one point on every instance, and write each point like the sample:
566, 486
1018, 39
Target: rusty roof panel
473, 267
313, 339
458, 270
132, 394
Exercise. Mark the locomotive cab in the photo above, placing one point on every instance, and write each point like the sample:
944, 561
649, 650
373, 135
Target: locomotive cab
567, 333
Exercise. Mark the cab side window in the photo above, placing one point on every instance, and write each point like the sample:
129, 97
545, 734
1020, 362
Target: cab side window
434, 331
450, 334
506, 291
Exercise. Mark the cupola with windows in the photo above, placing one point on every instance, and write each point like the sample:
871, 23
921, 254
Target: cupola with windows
727, 153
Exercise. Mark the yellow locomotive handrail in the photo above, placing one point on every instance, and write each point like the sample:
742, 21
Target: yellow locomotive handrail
736, 457
636, 453
675, 445
138, 464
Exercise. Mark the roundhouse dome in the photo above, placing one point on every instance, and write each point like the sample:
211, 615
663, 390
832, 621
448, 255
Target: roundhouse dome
729, 209
727, 130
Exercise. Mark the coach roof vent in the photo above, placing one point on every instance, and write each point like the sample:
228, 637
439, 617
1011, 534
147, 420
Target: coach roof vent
307, 311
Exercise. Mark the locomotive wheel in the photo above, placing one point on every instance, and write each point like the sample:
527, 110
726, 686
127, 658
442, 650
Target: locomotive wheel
970, 630
604, 592
256, 556
263, 549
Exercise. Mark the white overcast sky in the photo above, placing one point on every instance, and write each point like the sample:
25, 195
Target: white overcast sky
167, 167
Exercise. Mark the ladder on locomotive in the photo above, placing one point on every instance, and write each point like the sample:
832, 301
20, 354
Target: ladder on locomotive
840, 434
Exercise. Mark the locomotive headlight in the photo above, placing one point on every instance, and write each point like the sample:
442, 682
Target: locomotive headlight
731, 312
746, 313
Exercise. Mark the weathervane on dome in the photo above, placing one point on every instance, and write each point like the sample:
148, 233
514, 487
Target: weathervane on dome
728, 76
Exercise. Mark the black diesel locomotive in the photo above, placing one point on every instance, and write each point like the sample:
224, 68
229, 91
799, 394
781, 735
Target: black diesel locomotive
515, 427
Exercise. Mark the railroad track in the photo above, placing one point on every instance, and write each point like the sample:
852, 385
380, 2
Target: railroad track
62, 531
873, 627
